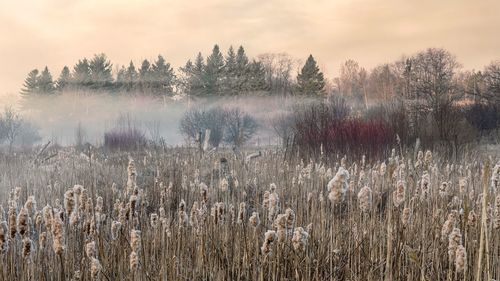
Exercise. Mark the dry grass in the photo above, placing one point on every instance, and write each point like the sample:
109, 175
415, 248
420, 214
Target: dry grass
171, 215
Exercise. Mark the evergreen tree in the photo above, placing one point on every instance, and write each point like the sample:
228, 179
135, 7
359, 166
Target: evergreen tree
31, 85
81, 75
100, 72
229, 86
255, 77
131, 77
214, 71
241, 69
145, 77
163, 77
121, 79
310, 80
194, 78
45, 83
64, 79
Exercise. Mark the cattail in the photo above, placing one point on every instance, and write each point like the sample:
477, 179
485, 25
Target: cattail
82, 200
115, 229
496, 213
460, 259
242, 213
269, 238
254, 220
183, 217
30, 205
153, 220
224, 185
134, 261
12, 222
448, 225
425, 185
57, 235
265, 201
290, 217
95, 269
365, 199
22, 222
204, 192
27, 245
299, 239
462, 185
454, 240
194, 214
495, 177
90, 250
4, 241
405, 218
428, 158
273, 202
135, 240
69, 201
338, 186
398, 196
47, 216
132, 205
42, 240
99, 206
74, 218
471, 218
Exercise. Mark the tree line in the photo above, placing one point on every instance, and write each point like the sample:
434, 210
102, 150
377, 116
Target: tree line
216, 75
429, 74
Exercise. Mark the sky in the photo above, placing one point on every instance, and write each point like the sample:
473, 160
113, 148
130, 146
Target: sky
54, 33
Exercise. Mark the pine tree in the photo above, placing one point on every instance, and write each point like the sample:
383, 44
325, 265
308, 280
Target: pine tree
64, 79
194, 81
214, 71
131, 77
31, 85
100, 72
45, 83
310, 79
145, 77
163, 77
241, 69
121, 80
255, 77
229, 84
81, 75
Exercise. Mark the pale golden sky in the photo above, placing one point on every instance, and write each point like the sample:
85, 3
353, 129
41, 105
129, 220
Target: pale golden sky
35, 33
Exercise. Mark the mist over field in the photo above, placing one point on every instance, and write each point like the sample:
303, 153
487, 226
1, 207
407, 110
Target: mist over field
58, 117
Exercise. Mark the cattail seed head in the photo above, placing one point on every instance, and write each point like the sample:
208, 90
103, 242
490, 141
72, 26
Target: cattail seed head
254, 220
460, 259
365, 199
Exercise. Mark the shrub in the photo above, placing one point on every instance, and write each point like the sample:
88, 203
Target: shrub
125, 136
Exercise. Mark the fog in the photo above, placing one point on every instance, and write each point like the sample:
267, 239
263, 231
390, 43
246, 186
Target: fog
58, 118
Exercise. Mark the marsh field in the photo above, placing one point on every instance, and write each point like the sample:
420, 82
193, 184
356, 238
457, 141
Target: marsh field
183, 214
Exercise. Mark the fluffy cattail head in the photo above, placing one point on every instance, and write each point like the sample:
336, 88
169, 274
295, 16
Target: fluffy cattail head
22, 222
454, 240
398, 197
365, 199
69, 201
135, 240
95, 269
254, 220
460, 259
90, 250
299, 239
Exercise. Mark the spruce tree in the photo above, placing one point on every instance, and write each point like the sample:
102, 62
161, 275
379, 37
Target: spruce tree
100, 72
241, 70
30, 85
229, 84
45, 83
145, 77
131, 77
214, 71
64, 79
163, 77
310, 80
81, 75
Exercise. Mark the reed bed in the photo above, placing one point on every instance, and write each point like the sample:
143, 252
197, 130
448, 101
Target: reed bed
176, 214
